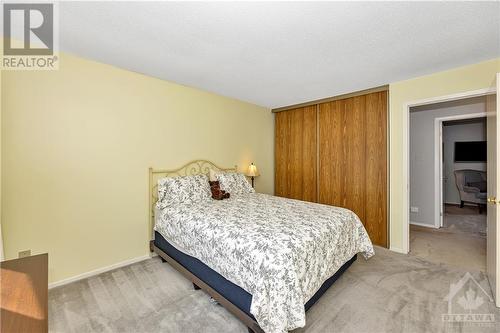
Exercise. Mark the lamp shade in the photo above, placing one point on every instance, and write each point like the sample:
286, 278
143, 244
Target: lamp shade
252, 171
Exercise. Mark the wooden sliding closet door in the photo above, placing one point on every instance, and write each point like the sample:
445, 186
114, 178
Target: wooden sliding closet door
295, 154
353, 159
376, 195
342, 154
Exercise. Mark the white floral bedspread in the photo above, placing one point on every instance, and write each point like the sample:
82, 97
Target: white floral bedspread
279, 250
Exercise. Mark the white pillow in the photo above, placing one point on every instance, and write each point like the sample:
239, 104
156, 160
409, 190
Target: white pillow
234, 183
182, 190
213, 175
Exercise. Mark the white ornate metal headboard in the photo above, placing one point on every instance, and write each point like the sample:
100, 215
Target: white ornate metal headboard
195, 167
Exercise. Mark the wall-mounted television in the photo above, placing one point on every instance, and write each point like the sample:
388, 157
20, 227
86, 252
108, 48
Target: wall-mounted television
470, 151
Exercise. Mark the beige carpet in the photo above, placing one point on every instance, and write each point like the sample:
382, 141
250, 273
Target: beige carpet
388, 293
461, 241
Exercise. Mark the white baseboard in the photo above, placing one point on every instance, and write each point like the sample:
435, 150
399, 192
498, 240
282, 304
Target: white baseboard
98, 271
425, 225
397, 249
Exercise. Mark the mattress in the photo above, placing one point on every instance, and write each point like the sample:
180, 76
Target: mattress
230, 291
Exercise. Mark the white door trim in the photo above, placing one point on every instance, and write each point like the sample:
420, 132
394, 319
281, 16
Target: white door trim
438, 161
406, 150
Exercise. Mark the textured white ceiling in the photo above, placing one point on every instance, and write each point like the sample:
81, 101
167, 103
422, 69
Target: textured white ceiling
277, 54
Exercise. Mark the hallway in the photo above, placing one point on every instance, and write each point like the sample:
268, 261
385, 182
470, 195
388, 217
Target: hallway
461, 242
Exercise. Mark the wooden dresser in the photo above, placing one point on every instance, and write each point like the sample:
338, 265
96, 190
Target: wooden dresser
24, 294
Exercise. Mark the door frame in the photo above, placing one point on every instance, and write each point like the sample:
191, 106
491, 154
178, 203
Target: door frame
406, 149
438, 161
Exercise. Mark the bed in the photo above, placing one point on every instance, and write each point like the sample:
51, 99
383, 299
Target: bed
265, 259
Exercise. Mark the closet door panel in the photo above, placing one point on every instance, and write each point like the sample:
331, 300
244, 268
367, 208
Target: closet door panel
376, 167
353, 159
309, 159
354, 145
295, 153
331, 131
281, 154
297, 146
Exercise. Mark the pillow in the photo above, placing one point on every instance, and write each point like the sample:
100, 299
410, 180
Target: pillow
186, 189
213, 175
235, 183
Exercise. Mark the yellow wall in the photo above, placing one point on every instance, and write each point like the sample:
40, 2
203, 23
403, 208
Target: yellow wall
76, 148
1, 237
454, 81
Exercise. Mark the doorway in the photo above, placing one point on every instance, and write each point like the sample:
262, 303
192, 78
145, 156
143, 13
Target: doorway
448, 224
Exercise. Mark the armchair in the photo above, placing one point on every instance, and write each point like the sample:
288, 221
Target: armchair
471, 186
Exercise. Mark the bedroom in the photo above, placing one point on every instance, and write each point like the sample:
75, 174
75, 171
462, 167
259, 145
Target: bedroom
213, 82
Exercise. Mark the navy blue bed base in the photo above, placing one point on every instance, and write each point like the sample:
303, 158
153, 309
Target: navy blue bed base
227, 289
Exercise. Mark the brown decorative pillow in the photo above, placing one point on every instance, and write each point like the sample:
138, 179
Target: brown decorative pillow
217, 193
